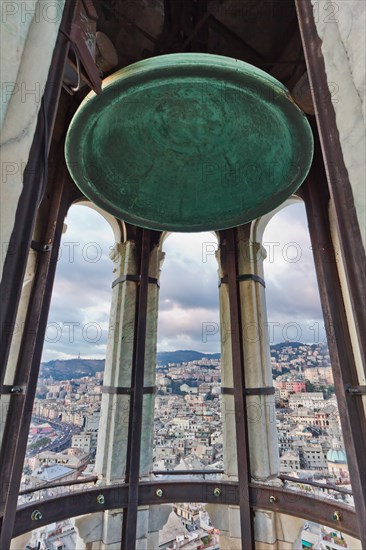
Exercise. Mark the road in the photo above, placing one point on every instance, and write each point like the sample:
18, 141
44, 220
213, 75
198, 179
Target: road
59, 444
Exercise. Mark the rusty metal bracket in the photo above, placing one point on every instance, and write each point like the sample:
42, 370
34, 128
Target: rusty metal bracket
134, 278
355, 390
90, 10
91, 74
92, 71
39, 247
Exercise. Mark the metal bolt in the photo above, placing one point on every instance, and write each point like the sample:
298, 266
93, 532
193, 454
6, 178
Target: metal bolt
100, 499
16, 389
217, 491
337, 516
273, 499
36, 515
159, 492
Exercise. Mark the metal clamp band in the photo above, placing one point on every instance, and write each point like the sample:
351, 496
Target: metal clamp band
355, 390
12, 390
245, 277
251, 277
227, 391
135, 279
122, 390
39, 247
267, 390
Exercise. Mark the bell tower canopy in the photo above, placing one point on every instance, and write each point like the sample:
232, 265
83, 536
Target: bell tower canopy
189, 142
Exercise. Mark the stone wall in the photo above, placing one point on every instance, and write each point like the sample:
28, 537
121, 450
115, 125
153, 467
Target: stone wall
341, 27
28, 35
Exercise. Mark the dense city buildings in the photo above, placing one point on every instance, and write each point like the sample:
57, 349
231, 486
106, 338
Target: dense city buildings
188, 435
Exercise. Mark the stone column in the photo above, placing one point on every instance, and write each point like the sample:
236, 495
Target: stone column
113, 428
156, 260
149, 517
17, 338
158, 517
262, 429
262, 432
111, 455
22, 312
227, 518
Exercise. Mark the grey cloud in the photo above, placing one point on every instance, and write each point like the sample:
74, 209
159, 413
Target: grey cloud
189, 296
188, 286
78, 319
292, 292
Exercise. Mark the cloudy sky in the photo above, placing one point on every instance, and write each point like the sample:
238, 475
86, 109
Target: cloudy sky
188, 314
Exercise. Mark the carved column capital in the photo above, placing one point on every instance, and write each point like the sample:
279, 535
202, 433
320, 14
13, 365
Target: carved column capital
116, 252
259, 252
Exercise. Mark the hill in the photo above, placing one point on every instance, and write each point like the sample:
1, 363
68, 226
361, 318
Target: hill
65, 369
183, 356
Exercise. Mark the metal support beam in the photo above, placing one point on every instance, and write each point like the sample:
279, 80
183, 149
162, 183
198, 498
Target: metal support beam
352, 416
229, 261
129, 526
16, 258
295, 503
339, 184
19, 415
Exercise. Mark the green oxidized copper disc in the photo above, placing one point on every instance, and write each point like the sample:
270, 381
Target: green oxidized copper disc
189, 142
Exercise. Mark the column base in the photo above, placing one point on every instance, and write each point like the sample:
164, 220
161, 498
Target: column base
102, 531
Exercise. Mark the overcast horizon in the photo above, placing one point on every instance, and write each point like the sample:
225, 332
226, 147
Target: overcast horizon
189, 297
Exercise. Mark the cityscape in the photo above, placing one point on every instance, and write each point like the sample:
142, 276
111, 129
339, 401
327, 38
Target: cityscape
188, 438
182, 275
